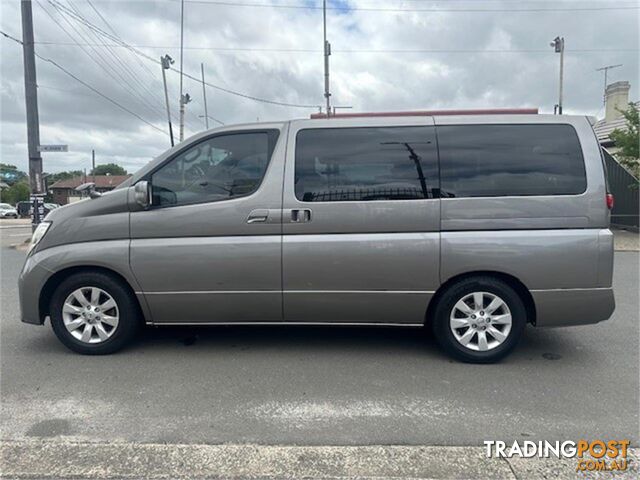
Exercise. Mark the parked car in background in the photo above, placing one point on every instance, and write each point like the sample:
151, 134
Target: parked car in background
473, 226
24, 208
50, 206
7, 211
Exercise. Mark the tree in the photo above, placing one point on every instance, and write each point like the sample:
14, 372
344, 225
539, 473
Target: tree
108, 169
17, 192
628, 141
10, 174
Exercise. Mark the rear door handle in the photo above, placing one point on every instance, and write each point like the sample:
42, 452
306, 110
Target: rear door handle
261, 215
301, 215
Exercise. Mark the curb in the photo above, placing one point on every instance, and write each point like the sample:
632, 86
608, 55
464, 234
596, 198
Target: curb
59, 459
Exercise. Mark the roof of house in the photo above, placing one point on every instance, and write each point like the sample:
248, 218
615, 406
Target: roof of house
101, 181
603, 128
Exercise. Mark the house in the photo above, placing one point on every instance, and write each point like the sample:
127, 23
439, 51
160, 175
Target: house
63, 191
616, 99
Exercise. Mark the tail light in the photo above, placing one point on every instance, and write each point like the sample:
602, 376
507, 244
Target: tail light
609, 201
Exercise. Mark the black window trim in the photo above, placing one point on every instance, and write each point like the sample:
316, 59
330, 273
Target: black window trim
435, 197
273, 135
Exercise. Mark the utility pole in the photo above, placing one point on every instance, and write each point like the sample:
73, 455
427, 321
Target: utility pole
184, 98
166, 62
93, 165
327, 52
204, 96
606, 70
31, 100
558, 45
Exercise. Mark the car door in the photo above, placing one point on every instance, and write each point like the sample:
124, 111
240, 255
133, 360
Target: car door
208, 250
361, 221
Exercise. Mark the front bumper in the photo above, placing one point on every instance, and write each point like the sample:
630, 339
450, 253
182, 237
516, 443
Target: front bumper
576, 306
32, 278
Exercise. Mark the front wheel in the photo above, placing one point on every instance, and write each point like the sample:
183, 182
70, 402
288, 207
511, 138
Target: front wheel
94, 314
479, 320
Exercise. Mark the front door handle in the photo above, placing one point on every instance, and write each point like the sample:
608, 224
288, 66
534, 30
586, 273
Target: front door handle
302, 215
260, 215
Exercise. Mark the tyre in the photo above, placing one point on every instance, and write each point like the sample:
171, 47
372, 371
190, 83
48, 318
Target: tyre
479, 320
94, 313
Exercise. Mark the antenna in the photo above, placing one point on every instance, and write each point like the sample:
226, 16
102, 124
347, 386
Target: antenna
606, 71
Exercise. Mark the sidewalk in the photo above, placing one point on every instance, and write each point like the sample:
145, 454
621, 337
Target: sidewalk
625, 241
64, 459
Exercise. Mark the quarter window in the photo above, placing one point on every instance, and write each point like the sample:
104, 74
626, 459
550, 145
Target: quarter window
506, 160
220, 168
361, 164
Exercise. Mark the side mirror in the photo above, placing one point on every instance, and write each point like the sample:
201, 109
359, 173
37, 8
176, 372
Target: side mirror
141, 193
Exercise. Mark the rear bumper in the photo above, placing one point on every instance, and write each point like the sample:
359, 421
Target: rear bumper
567, 307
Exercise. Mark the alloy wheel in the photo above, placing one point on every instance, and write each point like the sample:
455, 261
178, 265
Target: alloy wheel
480, 321
90, 315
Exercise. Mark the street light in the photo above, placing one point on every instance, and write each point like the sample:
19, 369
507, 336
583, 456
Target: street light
166, 63
558, 46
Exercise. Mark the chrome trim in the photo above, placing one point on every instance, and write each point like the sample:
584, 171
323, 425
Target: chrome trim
568, 289
346, 324
416, 292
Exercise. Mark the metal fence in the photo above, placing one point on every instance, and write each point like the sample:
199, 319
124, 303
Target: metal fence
624, 188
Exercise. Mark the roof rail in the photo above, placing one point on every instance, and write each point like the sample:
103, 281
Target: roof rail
431, 113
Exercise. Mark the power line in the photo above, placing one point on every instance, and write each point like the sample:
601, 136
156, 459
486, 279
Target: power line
425, 10
368, 50
105, 65
113, 64
191, 77
93, 89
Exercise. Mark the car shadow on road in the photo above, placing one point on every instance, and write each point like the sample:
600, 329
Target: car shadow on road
536, 343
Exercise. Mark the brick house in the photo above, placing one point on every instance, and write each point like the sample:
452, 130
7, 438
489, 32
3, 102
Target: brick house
63, 191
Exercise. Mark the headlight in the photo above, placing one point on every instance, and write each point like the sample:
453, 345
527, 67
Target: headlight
41, 229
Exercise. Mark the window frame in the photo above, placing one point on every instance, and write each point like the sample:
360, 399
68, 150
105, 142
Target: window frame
273, 135
360, 127
526, 124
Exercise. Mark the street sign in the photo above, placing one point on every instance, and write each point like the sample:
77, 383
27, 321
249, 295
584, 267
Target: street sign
53, 148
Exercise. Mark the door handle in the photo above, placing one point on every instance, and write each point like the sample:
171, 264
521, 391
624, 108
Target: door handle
301, 215
260, 215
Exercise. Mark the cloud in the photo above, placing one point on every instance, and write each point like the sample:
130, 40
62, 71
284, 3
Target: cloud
463, 60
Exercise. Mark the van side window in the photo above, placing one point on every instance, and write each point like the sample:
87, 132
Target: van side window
220, 168
361, 164
505, 160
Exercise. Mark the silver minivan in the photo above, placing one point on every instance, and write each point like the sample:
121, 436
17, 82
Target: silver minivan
471, 225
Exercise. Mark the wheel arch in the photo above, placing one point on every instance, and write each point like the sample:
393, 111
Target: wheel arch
510, 280
49, 287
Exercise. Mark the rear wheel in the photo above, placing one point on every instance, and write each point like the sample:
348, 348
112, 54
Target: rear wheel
479, 320
94, 314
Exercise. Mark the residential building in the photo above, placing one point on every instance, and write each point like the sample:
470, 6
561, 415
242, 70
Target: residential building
63, 191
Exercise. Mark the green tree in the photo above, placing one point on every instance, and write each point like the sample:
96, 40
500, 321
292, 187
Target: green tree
109, 168
54, 177
628, 141
17, 192
10, 174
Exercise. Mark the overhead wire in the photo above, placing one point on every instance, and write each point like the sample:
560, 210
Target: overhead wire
192, 77
86, 84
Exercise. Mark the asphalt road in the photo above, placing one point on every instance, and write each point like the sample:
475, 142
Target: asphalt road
321, 386
13, 232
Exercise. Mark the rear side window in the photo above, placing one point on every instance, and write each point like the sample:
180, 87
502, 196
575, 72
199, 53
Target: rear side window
504, 160
362, 164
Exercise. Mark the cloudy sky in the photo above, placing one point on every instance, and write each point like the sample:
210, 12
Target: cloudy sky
387, 55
